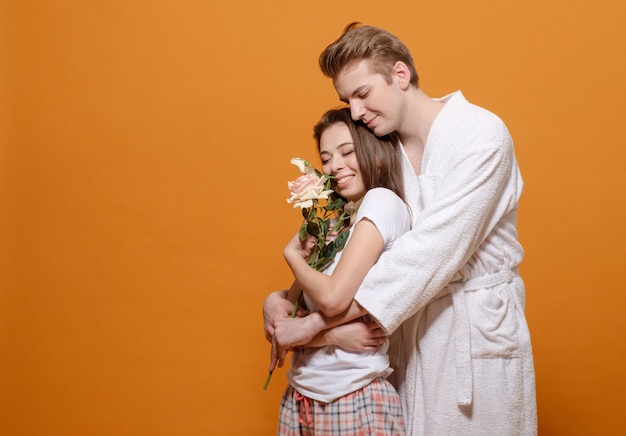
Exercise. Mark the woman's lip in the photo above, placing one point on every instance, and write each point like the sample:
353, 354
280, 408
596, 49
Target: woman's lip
344, 179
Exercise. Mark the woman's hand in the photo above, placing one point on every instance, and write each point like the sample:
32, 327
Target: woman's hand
293, 332
276, 307
300, 248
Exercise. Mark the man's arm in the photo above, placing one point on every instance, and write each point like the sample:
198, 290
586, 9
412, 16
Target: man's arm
357, 335
475, 187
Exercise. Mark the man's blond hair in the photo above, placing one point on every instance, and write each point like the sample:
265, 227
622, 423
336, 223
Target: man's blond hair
358, 42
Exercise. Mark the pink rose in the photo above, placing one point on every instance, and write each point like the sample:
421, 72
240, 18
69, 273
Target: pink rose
307, 188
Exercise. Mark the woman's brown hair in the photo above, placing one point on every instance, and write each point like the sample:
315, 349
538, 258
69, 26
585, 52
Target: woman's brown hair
379, 158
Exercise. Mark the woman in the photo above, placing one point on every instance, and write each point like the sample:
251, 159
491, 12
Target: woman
334, 390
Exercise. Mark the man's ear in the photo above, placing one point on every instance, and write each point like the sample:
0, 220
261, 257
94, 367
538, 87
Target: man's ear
402, 74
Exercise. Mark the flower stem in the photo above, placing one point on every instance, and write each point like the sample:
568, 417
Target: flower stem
267, 380
295, 307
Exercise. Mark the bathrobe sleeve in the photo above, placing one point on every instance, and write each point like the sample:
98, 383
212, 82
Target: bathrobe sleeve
469, 181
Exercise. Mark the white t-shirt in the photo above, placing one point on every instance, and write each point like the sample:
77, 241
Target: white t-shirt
330, 372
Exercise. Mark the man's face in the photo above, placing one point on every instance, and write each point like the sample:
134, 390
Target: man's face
370, 97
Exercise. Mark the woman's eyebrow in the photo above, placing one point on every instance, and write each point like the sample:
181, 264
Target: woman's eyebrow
345, 143
338, 146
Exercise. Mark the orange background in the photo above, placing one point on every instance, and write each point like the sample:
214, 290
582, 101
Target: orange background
144, 156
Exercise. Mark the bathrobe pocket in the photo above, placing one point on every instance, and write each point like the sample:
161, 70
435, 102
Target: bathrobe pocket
493, 322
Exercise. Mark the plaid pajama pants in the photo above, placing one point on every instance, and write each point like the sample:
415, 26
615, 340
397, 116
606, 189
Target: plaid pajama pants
374, 410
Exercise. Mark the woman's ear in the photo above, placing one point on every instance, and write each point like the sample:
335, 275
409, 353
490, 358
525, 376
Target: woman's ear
402, 73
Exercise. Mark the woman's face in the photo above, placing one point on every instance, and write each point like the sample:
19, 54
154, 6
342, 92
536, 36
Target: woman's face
338, 156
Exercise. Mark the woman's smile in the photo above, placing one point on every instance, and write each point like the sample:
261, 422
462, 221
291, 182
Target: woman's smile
344, 180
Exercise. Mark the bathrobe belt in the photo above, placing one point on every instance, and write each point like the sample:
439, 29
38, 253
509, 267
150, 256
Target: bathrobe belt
462, 335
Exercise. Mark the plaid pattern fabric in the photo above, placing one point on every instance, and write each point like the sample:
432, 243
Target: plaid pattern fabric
374, 410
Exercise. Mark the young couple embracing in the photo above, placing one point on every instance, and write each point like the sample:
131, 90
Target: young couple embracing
418, 326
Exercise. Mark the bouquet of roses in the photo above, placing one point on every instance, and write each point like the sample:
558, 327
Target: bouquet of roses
325, 216
323, 211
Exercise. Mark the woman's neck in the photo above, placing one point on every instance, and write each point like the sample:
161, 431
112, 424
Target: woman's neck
351, 208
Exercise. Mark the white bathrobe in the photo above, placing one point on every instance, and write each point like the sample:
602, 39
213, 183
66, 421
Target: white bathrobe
449, 289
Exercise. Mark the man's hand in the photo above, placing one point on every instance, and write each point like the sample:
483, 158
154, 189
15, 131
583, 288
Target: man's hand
357, 336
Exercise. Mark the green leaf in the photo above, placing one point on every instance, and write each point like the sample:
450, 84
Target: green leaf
340, 240
303, 231
337, 204
335, 246
312, 228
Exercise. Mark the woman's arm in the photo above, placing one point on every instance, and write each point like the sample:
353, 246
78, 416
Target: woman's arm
334, 293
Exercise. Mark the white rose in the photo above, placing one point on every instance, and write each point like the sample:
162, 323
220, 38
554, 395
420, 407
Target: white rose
303, 165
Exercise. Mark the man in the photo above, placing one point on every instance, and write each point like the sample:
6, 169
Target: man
449, 289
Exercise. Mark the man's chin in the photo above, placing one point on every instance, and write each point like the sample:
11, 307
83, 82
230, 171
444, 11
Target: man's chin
380, 131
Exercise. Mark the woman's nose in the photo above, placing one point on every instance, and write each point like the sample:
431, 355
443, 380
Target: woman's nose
337, 164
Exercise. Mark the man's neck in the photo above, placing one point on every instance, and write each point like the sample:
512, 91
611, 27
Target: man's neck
419, 118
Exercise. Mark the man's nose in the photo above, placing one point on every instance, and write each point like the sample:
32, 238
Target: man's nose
356, 111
